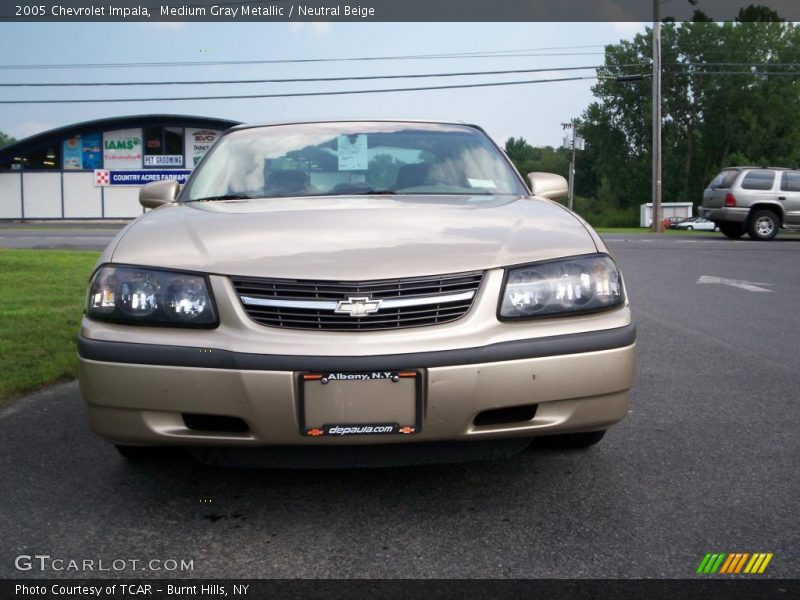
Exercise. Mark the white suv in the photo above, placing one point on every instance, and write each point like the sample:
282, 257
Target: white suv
756, 200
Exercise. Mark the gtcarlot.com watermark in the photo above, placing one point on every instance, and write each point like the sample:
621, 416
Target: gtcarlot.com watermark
45, 562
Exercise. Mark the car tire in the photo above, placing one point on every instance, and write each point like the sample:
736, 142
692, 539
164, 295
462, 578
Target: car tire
690, 228
731, 230
763, 225
138, 452
570, 440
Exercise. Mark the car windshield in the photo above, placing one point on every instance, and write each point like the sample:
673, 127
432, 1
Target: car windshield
332, 159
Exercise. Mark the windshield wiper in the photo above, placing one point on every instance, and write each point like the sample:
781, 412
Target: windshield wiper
222, 197
370, 193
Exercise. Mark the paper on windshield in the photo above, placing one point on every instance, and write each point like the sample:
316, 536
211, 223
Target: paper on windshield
353, 152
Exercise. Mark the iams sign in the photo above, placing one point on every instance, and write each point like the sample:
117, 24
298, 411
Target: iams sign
127, 144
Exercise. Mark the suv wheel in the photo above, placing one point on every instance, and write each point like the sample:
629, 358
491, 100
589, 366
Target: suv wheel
731, 230
763, 225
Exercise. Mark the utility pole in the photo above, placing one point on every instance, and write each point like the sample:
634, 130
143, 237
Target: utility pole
657, 226
573, 127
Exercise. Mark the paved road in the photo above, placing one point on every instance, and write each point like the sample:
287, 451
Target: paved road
706, 461
71, 236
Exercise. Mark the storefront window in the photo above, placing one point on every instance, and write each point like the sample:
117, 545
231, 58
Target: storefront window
46, 158
163, 147
152, 141
173, 140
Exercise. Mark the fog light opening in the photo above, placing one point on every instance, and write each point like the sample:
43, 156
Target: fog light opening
214, 423
505, 416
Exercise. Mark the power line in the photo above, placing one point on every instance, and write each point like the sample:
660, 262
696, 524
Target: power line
747, 73
307, 79
737, 64
378, 77
707, 64
300, 94
641, 76
621, 78
528, 52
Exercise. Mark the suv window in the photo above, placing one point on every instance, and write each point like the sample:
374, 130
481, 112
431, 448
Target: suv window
790, 182
724, 180
758, 180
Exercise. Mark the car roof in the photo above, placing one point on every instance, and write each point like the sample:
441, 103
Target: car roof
761, 168
322, 121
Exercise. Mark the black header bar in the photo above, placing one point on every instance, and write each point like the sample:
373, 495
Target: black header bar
379, 10
439, 589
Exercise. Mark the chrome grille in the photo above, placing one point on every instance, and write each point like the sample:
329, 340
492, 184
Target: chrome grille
410, 302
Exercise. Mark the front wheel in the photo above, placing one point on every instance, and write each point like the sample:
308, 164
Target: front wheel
763, 225
690, 228
731, 230
570, 440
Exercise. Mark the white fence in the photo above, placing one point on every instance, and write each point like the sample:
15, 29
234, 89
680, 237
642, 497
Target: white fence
63, 195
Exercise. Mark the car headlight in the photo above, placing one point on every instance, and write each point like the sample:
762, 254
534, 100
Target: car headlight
139, 295
566, 286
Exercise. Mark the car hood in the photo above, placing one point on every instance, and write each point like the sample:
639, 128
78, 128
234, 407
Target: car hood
348, 238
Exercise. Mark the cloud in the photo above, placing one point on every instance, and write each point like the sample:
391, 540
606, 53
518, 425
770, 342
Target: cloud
173, 25
321, 27
500, 140
28, 128
317, 28
628, 28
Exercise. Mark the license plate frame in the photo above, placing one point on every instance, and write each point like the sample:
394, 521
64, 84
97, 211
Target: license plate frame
359, 428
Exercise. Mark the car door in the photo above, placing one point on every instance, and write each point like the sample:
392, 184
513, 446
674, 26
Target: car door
789, 196
705, 225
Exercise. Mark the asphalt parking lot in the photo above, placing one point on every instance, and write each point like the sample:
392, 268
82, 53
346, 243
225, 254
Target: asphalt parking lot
705, 462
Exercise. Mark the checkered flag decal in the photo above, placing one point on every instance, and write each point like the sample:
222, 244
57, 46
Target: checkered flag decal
101, 177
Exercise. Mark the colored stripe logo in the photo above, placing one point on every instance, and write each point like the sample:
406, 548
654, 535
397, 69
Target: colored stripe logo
734, 563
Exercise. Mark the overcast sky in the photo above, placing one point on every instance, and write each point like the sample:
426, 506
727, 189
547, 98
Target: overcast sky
534, 112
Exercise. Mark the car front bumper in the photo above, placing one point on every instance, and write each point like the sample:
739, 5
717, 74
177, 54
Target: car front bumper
137, 393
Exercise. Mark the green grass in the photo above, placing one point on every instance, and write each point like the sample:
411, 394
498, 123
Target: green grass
41, 302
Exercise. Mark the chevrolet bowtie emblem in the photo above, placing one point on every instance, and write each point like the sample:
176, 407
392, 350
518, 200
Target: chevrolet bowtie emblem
358, 307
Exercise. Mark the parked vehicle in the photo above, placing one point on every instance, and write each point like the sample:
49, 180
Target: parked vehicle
389, 285
756, 200
670, 222
696, 223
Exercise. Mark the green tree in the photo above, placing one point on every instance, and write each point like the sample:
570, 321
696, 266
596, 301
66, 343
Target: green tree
527, 158
6, 140
728, 94
383, 169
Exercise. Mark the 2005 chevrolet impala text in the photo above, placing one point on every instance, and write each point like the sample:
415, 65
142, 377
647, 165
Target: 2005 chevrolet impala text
351, 292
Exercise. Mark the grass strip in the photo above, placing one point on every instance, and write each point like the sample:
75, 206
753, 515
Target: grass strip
41, 303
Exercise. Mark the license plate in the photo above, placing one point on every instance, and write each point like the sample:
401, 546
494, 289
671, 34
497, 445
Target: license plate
360, 404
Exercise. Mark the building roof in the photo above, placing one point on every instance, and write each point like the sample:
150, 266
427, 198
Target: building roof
57, 135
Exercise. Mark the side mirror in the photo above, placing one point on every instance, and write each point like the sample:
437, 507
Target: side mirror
548, 185
158, 193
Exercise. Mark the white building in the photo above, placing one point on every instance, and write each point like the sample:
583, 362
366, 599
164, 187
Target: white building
668, 209
94, 170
